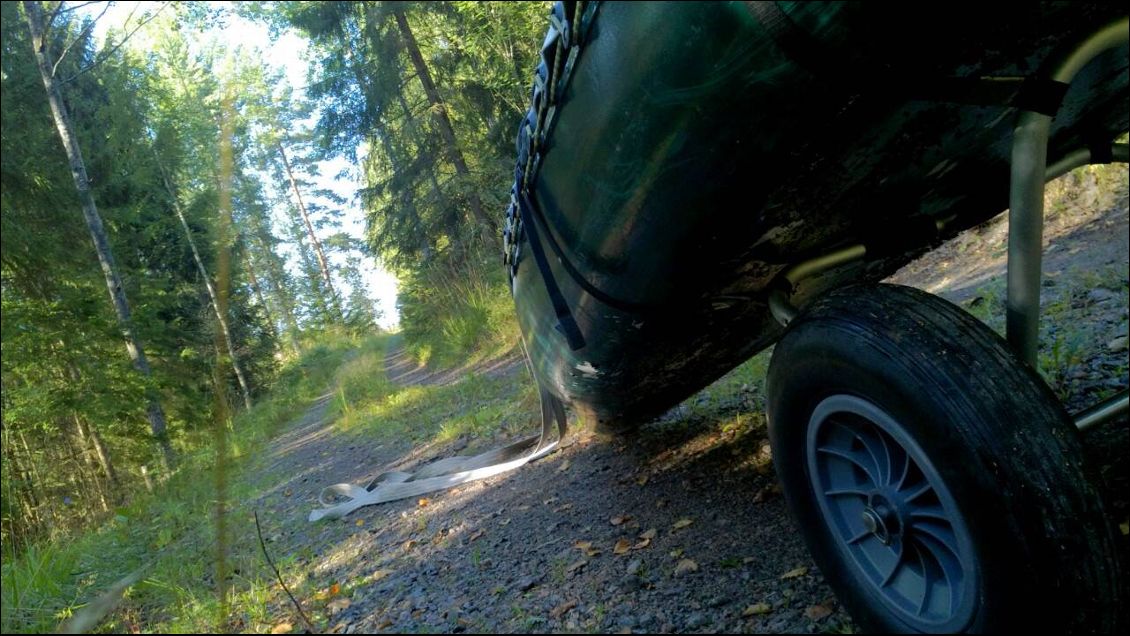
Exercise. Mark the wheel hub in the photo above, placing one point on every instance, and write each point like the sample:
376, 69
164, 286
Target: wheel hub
881, 519
891, 513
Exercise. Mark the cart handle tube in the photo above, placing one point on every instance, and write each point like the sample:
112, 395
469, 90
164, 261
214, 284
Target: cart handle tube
1119, 153
1026, 196
1104, 411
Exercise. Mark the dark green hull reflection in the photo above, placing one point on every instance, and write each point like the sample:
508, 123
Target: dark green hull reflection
696, 153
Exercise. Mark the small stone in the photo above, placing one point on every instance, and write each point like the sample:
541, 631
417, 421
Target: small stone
697, 620
528, 583
1117, 345
632, 583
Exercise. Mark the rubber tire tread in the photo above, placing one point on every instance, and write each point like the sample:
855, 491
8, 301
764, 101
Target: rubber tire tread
1008, 452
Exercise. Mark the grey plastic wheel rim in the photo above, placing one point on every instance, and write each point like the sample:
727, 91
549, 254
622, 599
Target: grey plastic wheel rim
890, 515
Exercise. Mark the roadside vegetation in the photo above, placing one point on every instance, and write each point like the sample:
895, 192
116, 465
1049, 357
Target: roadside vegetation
169, 536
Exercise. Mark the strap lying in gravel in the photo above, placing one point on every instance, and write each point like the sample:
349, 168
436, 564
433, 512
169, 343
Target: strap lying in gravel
449, 472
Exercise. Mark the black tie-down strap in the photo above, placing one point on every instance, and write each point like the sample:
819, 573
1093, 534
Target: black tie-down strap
566, 324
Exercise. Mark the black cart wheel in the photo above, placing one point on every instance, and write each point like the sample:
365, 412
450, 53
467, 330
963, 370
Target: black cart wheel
936, 479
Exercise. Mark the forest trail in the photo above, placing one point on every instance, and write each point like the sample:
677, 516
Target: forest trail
677, 528
603, 535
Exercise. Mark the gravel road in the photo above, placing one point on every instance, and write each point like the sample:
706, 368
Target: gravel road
678, 528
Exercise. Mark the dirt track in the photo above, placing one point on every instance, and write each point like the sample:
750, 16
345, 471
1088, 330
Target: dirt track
708, 544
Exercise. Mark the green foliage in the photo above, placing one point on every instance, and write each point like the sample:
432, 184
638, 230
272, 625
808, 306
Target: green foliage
419, 204
451, 311
44, 584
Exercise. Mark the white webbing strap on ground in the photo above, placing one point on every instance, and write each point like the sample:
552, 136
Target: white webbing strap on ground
449, 472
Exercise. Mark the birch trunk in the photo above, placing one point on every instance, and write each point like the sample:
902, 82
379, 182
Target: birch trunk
64, 126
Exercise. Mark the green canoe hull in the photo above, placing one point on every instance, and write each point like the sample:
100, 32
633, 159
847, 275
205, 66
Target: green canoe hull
687, 153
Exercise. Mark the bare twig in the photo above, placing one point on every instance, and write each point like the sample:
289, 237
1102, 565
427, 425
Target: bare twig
60, 10
103, 57
79, 37
51, 18
297, 606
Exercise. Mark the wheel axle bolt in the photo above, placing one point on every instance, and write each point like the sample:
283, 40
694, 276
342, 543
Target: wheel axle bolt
874, 523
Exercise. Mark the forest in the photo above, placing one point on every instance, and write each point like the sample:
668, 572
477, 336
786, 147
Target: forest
252, 249
169, 248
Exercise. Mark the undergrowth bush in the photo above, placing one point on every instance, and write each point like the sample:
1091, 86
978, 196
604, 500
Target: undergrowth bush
456, 308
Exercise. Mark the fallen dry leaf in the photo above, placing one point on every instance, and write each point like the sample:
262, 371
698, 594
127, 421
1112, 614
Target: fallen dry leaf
563, 507
379, 574
409, 544
563, 467
282, 628
576, 566
757, 609
384, 624
620, 519
587, 548
649, 533
641, 544
359, 522
423, 501
288, 492
682, 523
676, 553
641, 480
623, 546
335, 589
817, 612
792, 574
338, 604
561, 609
549, 501
476, 534
686, 566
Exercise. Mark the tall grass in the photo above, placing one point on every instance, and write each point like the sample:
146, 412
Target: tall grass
458, 306
171, 530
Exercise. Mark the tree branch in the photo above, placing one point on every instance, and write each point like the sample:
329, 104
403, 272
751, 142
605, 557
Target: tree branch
86, 31
51, 18
114, 49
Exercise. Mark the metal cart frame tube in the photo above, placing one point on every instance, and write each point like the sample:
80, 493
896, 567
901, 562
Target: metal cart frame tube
1026, 195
